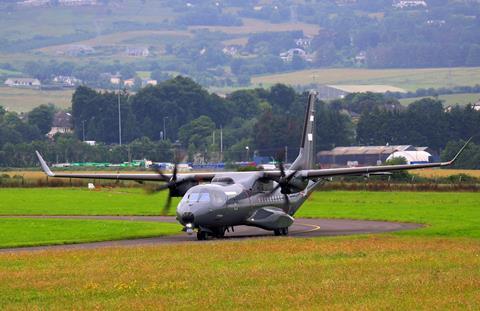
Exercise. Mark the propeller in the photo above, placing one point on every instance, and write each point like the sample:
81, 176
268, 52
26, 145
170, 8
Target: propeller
171, 185
284, 185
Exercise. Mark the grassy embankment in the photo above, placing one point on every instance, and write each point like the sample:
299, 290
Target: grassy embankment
399, 271
24, 100
408, 79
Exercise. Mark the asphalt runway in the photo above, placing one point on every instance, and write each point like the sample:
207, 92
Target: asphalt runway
302, 228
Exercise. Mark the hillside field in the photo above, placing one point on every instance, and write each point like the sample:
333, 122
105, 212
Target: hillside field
24, 100
449, 100
408, 79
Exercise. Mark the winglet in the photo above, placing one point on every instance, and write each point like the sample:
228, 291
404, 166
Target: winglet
44, 165
460, 151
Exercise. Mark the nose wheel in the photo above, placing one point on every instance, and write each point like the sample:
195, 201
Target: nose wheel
202, 235
280, 231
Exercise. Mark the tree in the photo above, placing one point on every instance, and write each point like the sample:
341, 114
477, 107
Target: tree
196, 132
42, 117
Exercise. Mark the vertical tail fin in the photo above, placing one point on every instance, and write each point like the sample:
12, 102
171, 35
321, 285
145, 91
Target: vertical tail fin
306, 155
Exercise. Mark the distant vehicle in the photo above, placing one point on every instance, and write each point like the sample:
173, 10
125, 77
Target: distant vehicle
267, 166
264, 199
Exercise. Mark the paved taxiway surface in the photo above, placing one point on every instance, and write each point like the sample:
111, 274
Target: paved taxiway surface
302, 227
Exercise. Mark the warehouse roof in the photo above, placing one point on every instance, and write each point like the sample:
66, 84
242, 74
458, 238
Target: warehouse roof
365, 150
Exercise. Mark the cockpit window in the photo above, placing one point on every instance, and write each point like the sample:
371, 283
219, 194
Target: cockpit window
198, 197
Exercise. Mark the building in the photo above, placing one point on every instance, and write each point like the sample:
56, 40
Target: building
76, 50
409, 4
371, 155
129, 83
288, 55
146, 82
23, 83
412, 157
476, 106
67, 81
137, 51
62, 124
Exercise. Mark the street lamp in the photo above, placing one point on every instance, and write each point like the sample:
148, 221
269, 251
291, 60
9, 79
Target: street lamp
248, 152
164, 129
83, 129
119, 118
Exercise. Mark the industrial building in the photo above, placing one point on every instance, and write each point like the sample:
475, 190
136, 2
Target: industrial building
373, 155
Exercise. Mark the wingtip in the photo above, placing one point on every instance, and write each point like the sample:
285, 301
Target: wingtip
44, 165
460, 151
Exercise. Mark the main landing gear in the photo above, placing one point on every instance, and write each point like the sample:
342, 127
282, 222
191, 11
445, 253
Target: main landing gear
281, 231
218, 233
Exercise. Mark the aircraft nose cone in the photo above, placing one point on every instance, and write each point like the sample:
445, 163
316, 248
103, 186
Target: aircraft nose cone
188, 217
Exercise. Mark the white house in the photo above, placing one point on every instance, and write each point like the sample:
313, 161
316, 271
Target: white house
62, 124
23, 82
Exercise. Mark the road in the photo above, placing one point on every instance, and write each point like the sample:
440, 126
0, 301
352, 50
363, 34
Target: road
302, 227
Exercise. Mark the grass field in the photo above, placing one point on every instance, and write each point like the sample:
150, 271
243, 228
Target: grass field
32, 232
51, 201
368, 273
437, 267
23, 100
452, 99
409, 79
446, 214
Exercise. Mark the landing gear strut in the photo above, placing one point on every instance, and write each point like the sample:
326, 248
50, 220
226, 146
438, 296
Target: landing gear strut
202, 235
281, 231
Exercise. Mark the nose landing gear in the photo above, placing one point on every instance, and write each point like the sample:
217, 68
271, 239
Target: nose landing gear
281, 231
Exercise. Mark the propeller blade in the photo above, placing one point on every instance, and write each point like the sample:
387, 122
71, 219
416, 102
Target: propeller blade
286, 204
168, 203
153, 190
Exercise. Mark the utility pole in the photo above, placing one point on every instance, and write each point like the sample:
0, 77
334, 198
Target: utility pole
286, 155
83, 129
221, 143
119, 118
164, 129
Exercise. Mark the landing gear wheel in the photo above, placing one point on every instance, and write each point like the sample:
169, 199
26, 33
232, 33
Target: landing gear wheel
281, 231
202, 235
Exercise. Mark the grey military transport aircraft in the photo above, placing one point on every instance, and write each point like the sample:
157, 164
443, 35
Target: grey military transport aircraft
214, 203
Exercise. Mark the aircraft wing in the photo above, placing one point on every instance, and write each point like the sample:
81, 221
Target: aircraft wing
123, 176
310, 174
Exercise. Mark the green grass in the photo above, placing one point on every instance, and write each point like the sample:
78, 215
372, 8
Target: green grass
24, 100
409, 79
451, 214
51, 201
449, 100
33, 232
445, 214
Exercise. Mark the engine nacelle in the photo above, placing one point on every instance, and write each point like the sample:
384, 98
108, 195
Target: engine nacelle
296, 185
180, 190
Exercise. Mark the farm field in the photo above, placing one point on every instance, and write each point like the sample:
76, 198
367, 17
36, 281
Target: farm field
34, 232
449, 100
24, 100
408, 79
432, 173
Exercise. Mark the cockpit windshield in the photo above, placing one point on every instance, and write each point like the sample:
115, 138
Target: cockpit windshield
213, 197
198, 197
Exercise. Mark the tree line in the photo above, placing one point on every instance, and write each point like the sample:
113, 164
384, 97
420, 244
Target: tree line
178, 114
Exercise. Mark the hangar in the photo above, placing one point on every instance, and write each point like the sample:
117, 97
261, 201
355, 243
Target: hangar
373, 155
